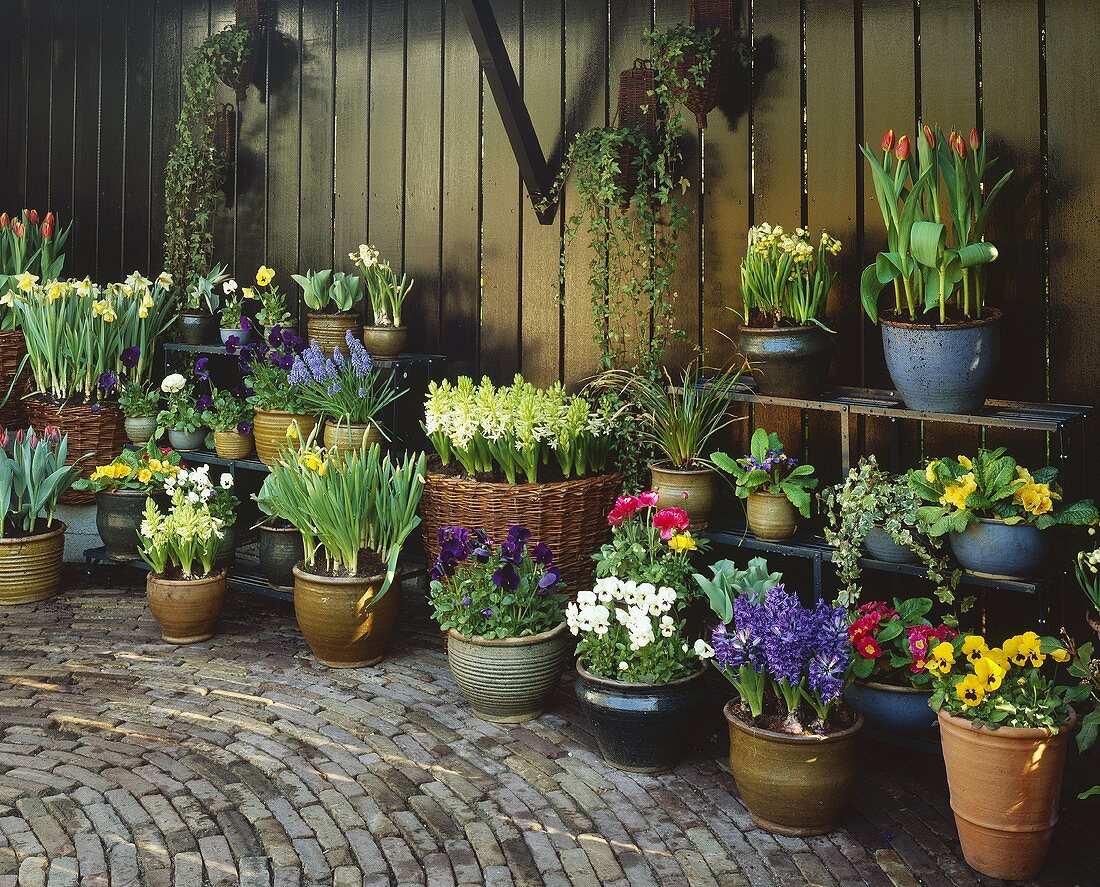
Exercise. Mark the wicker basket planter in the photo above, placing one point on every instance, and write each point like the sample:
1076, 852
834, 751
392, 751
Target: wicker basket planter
30, 566
99, 430
569, 515
269, 430
13, 348
636, 86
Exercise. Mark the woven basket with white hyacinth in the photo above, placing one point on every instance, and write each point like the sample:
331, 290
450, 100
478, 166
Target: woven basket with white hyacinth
631, 631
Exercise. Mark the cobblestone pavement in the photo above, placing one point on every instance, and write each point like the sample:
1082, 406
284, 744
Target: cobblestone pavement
125, 761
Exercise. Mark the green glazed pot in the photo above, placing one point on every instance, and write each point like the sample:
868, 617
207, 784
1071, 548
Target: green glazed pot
508, 680
118, 517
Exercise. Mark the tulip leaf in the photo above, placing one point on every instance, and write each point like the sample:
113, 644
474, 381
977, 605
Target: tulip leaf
870, 288
928, 241
977, 254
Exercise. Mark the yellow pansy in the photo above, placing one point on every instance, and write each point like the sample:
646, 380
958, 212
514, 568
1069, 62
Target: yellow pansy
941, 659
248, 292
974, 647
996, 654
265, 275
26, 281
957, 493
965, 462
145, 475
989, 673
970, 690
1023, 650
1059, 654
682, 542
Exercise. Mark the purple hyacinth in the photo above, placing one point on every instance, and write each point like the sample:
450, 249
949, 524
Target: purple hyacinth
789, 635
826, 676
742, 642
831, 632
299, 375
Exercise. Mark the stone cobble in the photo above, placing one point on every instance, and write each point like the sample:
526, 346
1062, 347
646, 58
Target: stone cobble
125, 761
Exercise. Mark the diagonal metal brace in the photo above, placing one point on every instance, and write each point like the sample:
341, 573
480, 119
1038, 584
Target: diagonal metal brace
508, 95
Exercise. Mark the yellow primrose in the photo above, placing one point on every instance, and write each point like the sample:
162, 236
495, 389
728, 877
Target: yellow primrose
989, 673
1033, 500
1023, 476
26, 281
974, 647
144, 475
682, 542
970, 690
941, 659
930, 472
965, 462
265, 275
956, 494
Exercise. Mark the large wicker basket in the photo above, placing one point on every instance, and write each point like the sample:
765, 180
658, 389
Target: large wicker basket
570, 515
99, 430
13, 348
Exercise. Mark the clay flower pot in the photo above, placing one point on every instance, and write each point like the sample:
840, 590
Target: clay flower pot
140, 429
788, 361
195, 327
691, 489
329, 330
793, 785
232, 445
30, 566
118, 517
771, 516
508, 680
185, 441
351, 435
1005, 785
641, 728
269, 430
186, 610
385, 341
331, 614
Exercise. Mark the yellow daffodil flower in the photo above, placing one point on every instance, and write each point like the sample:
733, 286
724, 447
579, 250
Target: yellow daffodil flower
682, 542
989, 673
165, 280
26, 281
292, 431
974, 647
8, 299
941, 659
83, 288
311, 461
970, 690
55, 290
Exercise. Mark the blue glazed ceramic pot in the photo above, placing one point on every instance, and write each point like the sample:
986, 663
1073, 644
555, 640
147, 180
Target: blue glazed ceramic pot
892, 709
881, 547
186, 440
997, 550
640, 727
788, 361
943, 369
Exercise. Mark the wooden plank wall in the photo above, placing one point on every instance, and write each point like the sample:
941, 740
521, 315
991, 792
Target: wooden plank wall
369, 121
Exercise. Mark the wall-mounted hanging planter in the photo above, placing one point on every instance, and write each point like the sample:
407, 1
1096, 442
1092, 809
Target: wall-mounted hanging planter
636, 108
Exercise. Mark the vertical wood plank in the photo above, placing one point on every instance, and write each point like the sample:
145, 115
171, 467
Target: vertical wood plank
352, 123
423, 165
112, 132
224, 223
250, 170
460, 285
501, 295
165, 103
137, 175
541, 311
83, 246
38, 84
585, 105
12, 11
387, 129
316, 162
62, 99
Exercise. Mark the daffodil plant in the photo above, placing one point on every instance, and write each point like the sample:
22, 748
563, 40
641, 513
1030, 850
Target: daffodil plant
963, 490
1007, 686
785, 279
386, 291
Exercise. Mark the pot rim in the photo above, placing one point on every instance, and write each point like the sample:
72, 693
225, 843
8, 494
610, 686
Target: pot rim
316, 314
1022, 733
770, 495
994, 318
139, 418
665, 465
791, 738
205, 580
232, 431
263, 525
396, 329
285, 413
194, 312
1001, 521
782, 330
504, 485
522, 641
231, 329
340, 423
339, 580
58, 530
891, 688
631, 685
126, 494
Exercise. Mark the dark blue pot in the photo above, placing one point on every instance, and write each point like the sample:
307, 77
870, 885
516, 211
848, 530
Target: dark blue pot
943, 369
881, 547
892, 709
788, 361
998, 550
640, 727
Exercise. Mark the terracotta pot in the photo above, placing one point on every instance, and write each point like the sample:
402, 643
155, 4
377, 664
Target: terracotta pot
329, 331
793, 785
231, 445
508, 680
331, 614
352, 436
771, 516
385, 341
1005, 785
30, 566
641, 728
269, 430
280, 549
195, 327
186, 610
117, 518
140, 429
691, 489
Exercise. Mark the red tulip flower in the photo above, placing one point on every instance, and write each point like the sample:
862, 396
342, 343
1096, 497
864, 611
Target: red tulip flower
18, 228
902, 150
975, 139
929, 136
3, 221
31, 216
53, 433
958, 145
47, 226
887, 141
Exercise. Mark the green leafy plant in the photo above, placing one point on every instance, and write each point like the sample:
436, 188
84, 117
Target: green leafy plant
345, 389
727, 582
893, 644
273, 311
962, 491
32, 479
936, 213
387, 293
347, 504
481, 588
138, 400
232, 314
677, 419
187, 537
227, 412
785, 280
768, 469
1083, 665
315, 288
871, 497
202, 293
181, 411
146, 469
193, 172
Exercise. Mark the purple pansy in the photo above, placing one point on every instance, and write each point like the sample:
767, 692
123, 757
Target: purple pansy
203, 402
244, 428
131, 356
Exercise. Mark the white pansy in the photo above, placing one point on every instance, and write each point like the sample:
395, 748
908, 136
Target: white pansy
229, 287
703, 650
226, 481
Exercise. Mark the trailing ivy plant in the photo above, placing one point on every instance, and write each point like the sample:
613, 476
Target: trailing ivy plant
872, 497
194, 171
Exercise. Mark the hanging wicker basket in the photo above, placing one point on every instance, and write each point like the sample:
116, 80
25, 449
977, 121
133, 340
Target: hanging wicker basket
708, 15
97, 429
225, 131
13, 348
700, 100
635, 107
570, 516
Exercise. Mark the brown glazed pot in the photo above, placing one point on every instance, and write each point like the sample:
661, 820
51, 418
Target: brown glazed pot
339, 631
30, 567
1005, 785
269, 430
351, 435
280, 549
329, 331
691, 489
186, 610
771, 516
793, 785
231, 445
385, 341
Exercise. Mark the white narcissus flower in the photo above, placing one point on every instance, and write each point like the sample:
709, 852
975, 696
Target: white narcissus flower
165, 280
172, 383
